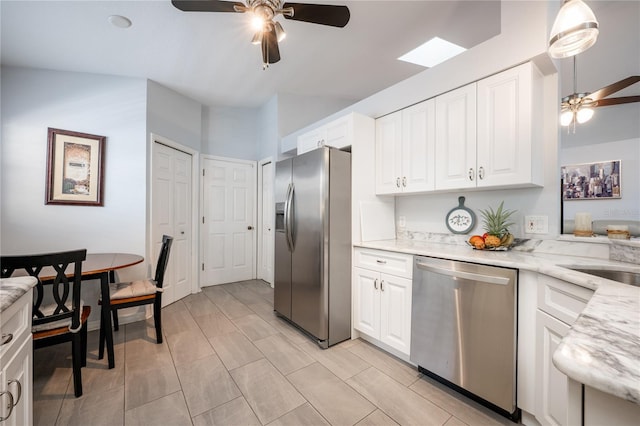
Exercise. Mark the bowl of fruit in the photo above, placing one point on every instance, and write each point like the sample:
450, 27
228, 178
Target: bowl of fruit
496, 226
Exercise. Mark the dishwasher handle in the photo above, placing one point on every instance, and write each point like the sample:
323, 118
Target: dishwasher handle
490, 279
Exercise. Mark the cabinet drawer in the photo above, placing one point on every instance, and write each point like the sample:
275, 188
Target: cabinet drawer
561, 299
16, 321
398, 264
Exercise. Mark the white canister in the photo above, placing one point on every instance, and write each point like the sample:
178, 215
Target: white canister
583, 225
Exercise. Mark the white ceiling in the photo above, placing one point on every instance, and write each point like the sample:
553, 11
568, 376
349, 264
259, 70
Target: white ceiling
208, 56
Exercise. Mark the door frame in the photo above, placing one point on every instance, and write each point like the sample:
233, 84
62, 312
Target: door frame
195, 205
201, 236
259, 209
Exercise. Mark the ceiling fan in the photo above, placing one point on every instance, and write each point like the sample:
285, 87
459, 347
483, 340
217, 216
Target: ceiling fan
578, 107
270, 32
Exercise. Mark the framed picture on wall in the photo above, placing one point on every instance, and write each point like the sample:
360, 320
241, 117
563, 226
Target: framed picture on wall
592, 181
75, 163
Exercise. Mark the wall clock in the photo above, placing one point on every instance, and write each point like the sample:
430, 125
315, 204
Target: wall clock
460, 219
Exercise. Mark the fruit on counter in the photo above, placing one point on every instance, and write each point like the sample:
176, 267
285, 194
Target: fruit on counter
477, 241
496, 225
507, 240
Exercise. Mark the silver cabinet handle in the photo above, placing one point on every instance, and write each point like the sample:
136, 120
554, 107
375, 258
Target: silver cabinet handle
481, 172
381, 283
6, 338
10, 405
398, 182
375, 283
381, 262
19, 385
404, 181
471, 174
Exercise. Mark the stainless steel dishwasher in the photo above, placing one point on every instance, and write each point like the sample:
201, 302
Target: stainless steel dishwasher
463, 329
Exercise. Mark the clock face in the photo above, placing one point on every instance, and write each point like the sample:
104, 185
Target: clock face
460, 220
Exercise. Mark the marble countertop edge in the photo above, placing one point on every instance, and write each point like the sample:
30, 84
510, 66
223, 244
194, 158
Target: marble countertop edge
13, 288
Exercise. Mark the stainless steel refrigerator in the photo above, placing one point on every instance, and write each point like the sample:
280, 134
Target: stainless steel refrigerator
312, 286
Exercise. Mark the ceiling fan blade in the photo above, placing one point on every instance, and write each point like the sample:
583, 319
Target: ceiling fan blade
612, 88
205, 5
618, 101
325, 14
270, 49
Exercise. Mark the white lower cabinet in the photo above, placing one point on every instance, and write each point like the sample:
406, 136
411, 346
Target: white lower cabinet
604, 409
559, 304
382, 301
16, 381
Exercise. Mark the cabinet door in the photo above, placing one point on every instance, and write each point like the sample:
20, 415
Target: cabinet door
366, 298
339, 132
504, 127
389, 154
395, 312
17, 379
456, 138
552, 399
605, 409
311, 140
418, 147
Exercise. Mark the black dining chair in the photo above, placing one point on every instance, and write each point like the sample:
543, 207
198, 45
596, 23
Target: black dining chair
137, 293
61, 317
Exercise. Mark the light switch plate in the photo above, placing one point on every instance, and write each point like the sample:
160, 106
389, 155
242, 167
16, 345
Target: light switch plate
538, 224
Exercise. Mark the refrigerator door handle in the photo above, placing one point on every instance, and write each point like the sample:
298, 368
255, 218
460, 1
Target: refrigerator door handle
287, 216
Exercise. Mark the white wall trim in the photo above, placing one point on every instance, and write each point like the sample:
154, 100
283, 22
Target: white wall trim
259, 207
195, 205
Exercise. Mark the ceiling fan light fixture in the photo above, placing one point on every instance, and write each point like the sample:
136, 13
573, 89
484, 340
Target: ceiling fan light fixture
574, 30
584, 114
566, 117
257, 38
280, 32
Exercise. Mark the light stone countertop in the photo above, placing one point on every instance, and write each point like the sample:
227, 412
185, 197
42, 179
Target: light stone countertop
602, 348
12, 289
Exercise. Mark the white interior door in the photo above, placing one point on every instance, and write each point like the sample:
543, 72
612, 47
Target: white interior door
266, 224
229, 237
171, 215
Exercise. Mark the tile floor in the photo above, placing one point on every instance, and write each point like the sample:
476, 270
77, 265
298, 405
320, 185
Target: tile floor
228, 360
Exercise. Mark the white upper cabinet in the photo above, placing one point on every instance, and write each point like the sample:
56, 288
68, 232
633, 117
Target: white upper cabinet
455, 158
337, 134
389, 154
508, 130
405, 149
486, 134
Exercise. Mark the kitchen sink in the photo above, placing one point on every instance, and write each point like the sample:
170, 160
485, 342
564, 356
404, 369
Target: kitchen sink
626, 277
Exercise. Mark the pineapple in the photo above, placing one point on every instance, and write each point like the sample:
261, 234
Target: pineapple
496, 224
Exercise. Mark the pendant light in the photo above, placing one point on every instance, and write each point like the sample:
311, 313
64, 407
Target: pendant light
574, 30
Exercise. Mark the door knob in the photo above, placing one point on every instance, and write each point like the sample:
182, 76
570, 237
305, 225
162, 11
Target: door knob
249, 227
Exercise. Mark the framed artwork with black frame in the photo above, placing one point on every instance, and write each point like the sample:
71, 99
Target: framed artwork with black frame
75, 163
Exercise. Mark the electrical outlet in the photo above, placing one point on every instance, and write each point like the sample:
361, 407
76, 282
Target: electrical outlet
402, 222
536, 224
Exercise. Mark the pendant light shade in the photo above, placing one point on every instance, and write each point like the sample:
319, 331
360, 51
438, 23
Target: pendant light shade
574, 30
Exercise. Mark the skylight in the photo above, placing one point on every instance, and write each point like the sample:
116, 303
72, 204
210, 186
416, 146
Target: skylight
432, 53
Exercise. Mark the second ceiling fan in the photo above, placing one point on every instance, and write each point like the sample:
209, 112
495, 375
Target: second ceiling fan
578, 107
270, 32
